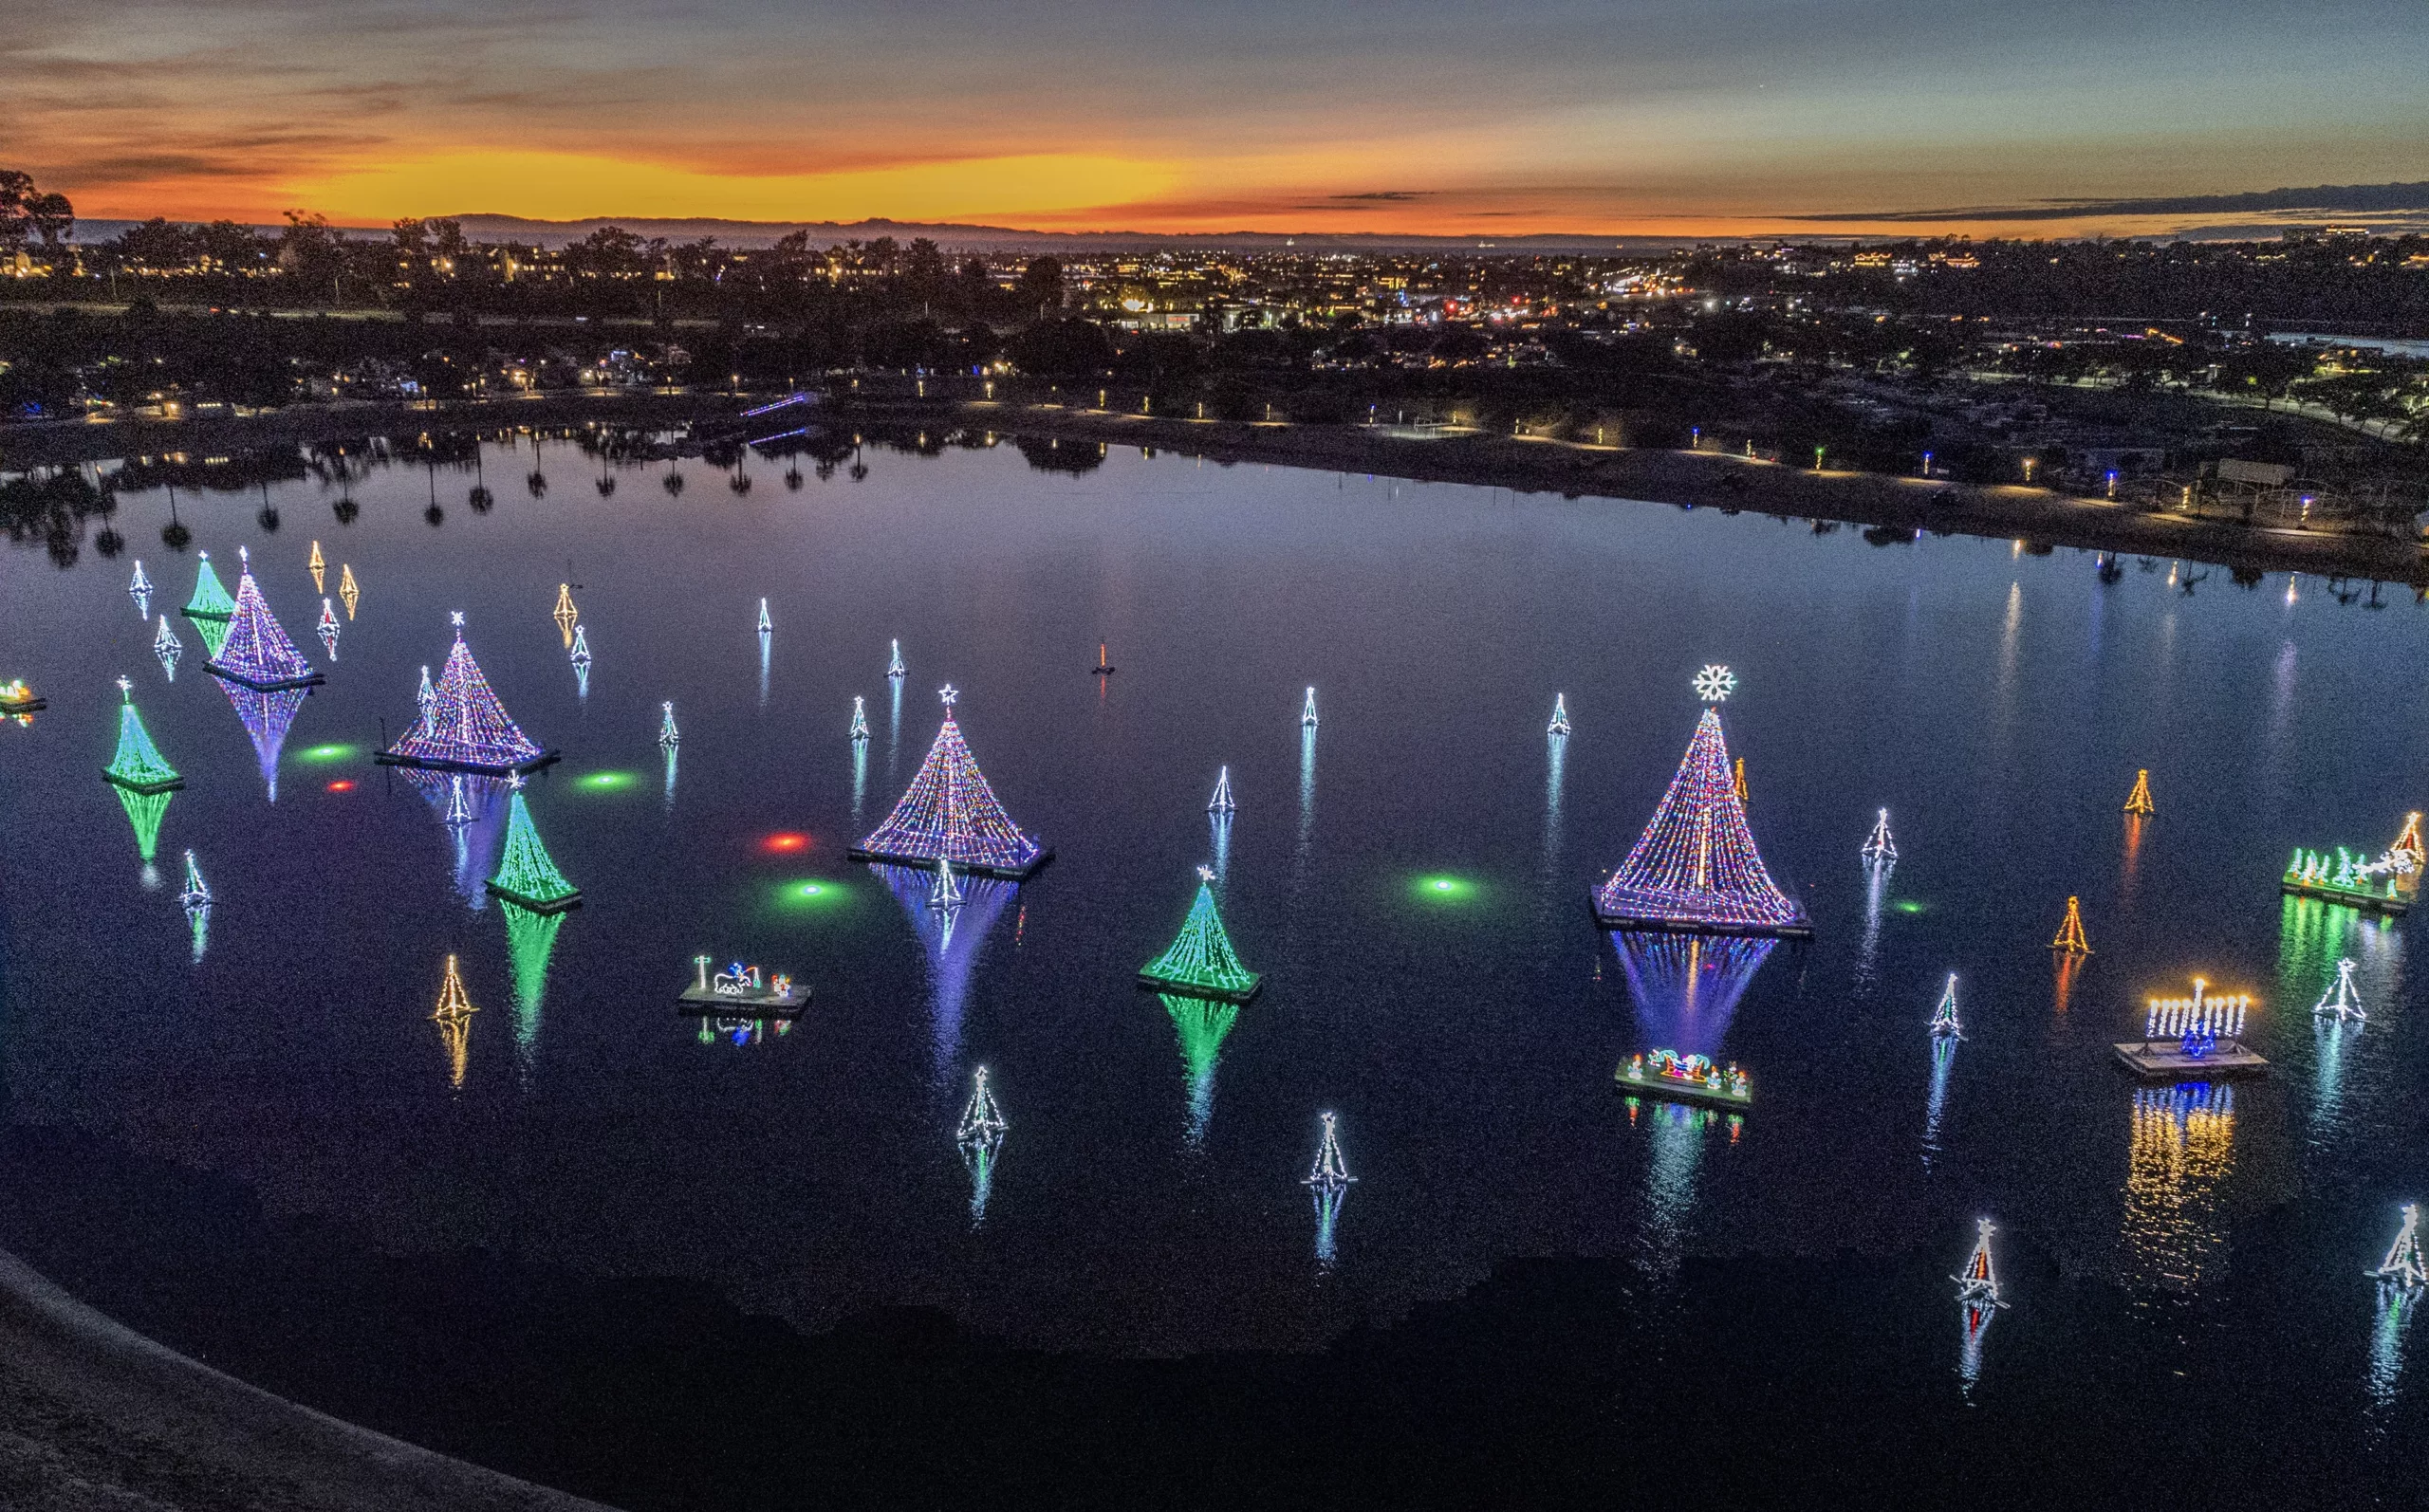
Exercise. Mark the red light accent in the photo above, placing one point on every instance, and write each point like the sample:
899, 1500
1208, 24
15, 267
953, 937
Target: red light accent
784, 842
342, 786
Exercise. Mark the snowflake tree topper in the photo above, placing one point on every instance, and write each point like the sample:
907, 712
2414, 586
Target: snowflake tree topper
1715, 684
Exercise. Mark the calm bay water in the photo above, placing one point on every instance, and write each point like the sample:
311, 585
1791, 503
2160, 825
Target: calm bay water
1998, 703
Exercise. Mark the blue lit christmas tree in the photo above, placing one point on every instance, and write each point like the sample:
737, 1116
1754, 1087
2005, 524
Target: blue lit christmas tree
950, 813
1695, 869
464, 727
255, 651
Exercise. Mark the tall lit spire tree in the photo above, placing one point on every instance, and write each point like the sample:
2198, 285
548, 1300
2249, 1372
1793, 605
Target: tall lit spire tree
1695, 869
328, 628
1978, 1280
1200, 960
980, 1136
1329, 1170
425, 696
208, 607
894, 667
949, 813
141, 589
256, 651
1878, 847
464, 727
137, 765
319, 567
2139, 801
859, 733
2069, 939
2339, 1000
1560, 715
2403, 1267
1944, 1022
1328, 1181
564, 613
349, 592
1308, 711
195, 899
526, 874
1221, 802
454, 1016
667, 734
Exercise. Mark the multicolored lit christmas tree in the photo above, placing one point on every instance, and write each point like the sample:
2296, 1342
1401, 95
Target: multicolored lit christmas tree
1695, 869
1201, 961
137, 765
950, 813
328, 629
210, 607
526, 874
464, 727
256, 651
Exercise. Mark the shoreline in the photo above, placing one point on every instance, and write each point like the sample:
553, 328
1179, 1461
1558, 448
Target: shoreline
1520, 464
93, 1414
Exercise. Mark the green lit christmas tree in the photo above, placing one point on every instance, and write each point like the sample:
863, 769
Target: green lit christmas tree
211, 607
526, 874
137, 765
1201, 961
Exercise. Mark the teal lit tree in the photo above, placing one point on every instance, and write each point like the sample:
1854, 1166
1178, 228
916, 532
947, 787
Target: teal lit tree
526, 874
210, 606
137, 765
1202, 960
530, 942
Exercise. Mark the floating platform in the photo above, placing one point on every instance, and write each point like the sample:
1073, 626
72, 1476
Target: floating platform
928, 863
1149, 981
2373, 902
23, 706
310, 679
1678, 1089
1801, 930
532, 905
167, 784
215, 617
2165, 1061
693, 1003
431, 763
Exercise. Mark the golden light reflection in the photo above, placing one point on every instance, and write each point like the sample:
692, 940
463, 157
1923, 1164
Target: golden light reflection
2182, 1150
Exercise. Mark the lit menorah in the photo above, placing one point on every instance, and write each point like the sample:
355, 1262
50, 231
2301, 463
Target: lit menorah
2199, 1020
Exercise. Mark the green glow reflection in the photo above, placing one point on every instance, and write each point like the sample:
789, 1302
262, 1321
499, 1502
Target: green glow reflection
812, 895
1442, 889
612, 781
323, 755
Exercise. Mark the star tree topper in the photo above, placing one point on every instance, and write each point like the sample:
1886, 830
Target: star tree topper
1715, 684
948, 694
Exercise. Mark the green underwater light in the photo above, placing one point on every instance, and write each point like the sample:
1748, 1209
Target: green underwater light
812, 893
606, 782
1908, 905
1440, 889
323, 755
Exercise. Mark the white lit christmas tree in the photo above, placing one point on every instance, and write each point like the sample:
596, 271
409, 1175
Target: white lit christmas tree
668, 735
859, 719
141, 590
1329, 1172
2339, 1000
1308, 711
1944, 1022
894, 663
980, 1118
1878, 847
2402, 1267
765, 624
1978, 1281
1560, 715
328, 628
1221, 802
947, 892
168, 648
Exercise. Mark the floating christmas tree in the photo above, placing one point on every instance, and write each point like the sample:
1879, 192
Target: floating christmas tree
580, 655
350, 594
1221, 802
1696, 868
464, 727
1944, 1023
1329, 1173
980, 1118
425, 696
1878, 847
947, 892
1201, 959
765, 626
267, 718
2139, 801
138, 766
255, 650
2339, 1000
2070, 933
141, 589
168, 648
459, 806
210, 608
1560, 715
2402, 1265
18, 701
328, 630
950, 813
1308, 711
2408, 843
320, 566
1978, 1281
859, 719
526, 874
1104, 662
894, 665
565, 615
668, 735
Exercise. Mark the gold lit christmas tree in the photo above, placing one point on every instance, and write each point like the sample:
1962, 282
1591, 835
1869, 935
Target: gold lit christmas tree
2139, 801
2071, 934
